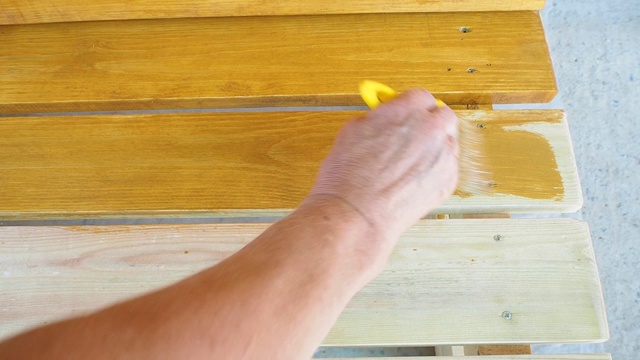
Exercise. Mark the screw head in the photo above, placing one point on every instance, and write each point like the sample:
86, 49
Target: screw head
497, 237
507, 315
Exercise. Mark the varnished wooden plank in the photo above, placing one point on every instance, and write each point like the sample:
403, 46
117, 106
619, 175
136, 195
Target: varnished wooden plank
471, 107
448, 281
272, 61
44, 11
502, 349
245, 164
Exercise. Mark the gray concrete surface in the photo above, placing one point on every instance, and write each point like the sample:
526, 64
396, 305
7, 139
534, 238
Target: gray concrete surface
595, 47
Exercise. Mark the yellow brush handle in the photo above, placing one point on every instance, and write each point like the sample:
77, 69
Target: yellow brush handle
374, 93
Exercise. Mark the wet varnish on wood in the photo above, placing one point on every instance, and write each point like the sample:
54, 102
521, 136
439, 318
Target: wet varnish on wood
247, 163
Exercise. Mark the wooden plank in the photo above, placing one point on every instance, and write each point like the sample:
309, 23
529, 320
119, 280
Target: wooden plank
448, 282
245, 164
44, 11
521, 175
501, 349
471, 107
272, 61
481, 216
462, 350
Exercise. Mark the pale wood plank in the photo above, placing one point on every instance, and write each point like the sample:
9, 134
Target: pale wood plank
244, 164
448, 282
39, 11
480, 216
272, 61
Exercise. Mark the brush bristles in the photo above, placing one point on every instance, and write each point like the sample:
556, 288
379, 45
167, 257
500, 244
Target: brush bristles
473, 176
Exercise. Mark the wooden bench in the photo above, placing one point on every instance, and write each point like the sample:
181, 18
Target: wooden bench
201, 124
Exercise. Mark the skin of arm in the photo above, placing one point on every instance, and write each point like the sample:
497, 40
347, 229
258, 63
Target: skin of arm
278, 297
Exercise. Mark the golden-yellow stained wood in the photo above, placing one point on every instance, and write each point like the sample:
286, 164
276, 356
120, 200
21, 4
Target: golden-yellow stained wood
44, 11
272, 61
447, 282
245, 164
501, 349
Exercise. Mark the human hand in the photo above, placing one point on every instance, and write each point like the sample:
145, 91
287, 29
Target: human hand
394, 164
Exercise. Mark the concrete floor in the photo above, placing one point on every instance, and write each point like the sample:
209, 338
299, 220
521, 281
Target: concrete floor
595, 49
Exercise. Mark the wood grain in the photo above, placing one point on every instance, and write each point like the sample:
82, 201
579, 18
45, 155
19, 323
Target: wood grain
44, 11
241, 164
502, 349
448, 282
272, 61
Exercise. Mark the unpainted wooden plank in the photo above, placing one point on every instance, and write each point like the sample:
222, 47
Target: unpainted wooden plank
481, 216
45, 11
272, 61
448, 282
245, 164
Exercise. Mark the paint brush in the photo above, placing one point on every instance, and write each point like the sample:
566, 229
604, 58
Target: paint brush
473, 177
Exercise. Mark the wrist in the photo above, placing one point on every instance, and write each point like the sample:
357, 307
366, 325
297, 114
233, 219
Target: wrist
358, 243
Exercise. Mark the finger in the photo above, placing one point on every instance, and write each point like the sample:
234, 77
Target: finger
453, 145
416, 98
398, 109
446, 118
446, 167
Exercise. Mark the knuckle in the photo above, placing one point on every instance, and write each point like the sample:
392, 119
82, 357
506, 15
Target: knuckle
419, 98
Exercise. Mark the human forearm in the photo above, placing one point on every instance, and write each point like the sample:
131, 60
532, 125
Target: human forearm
279, 295
310, 266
